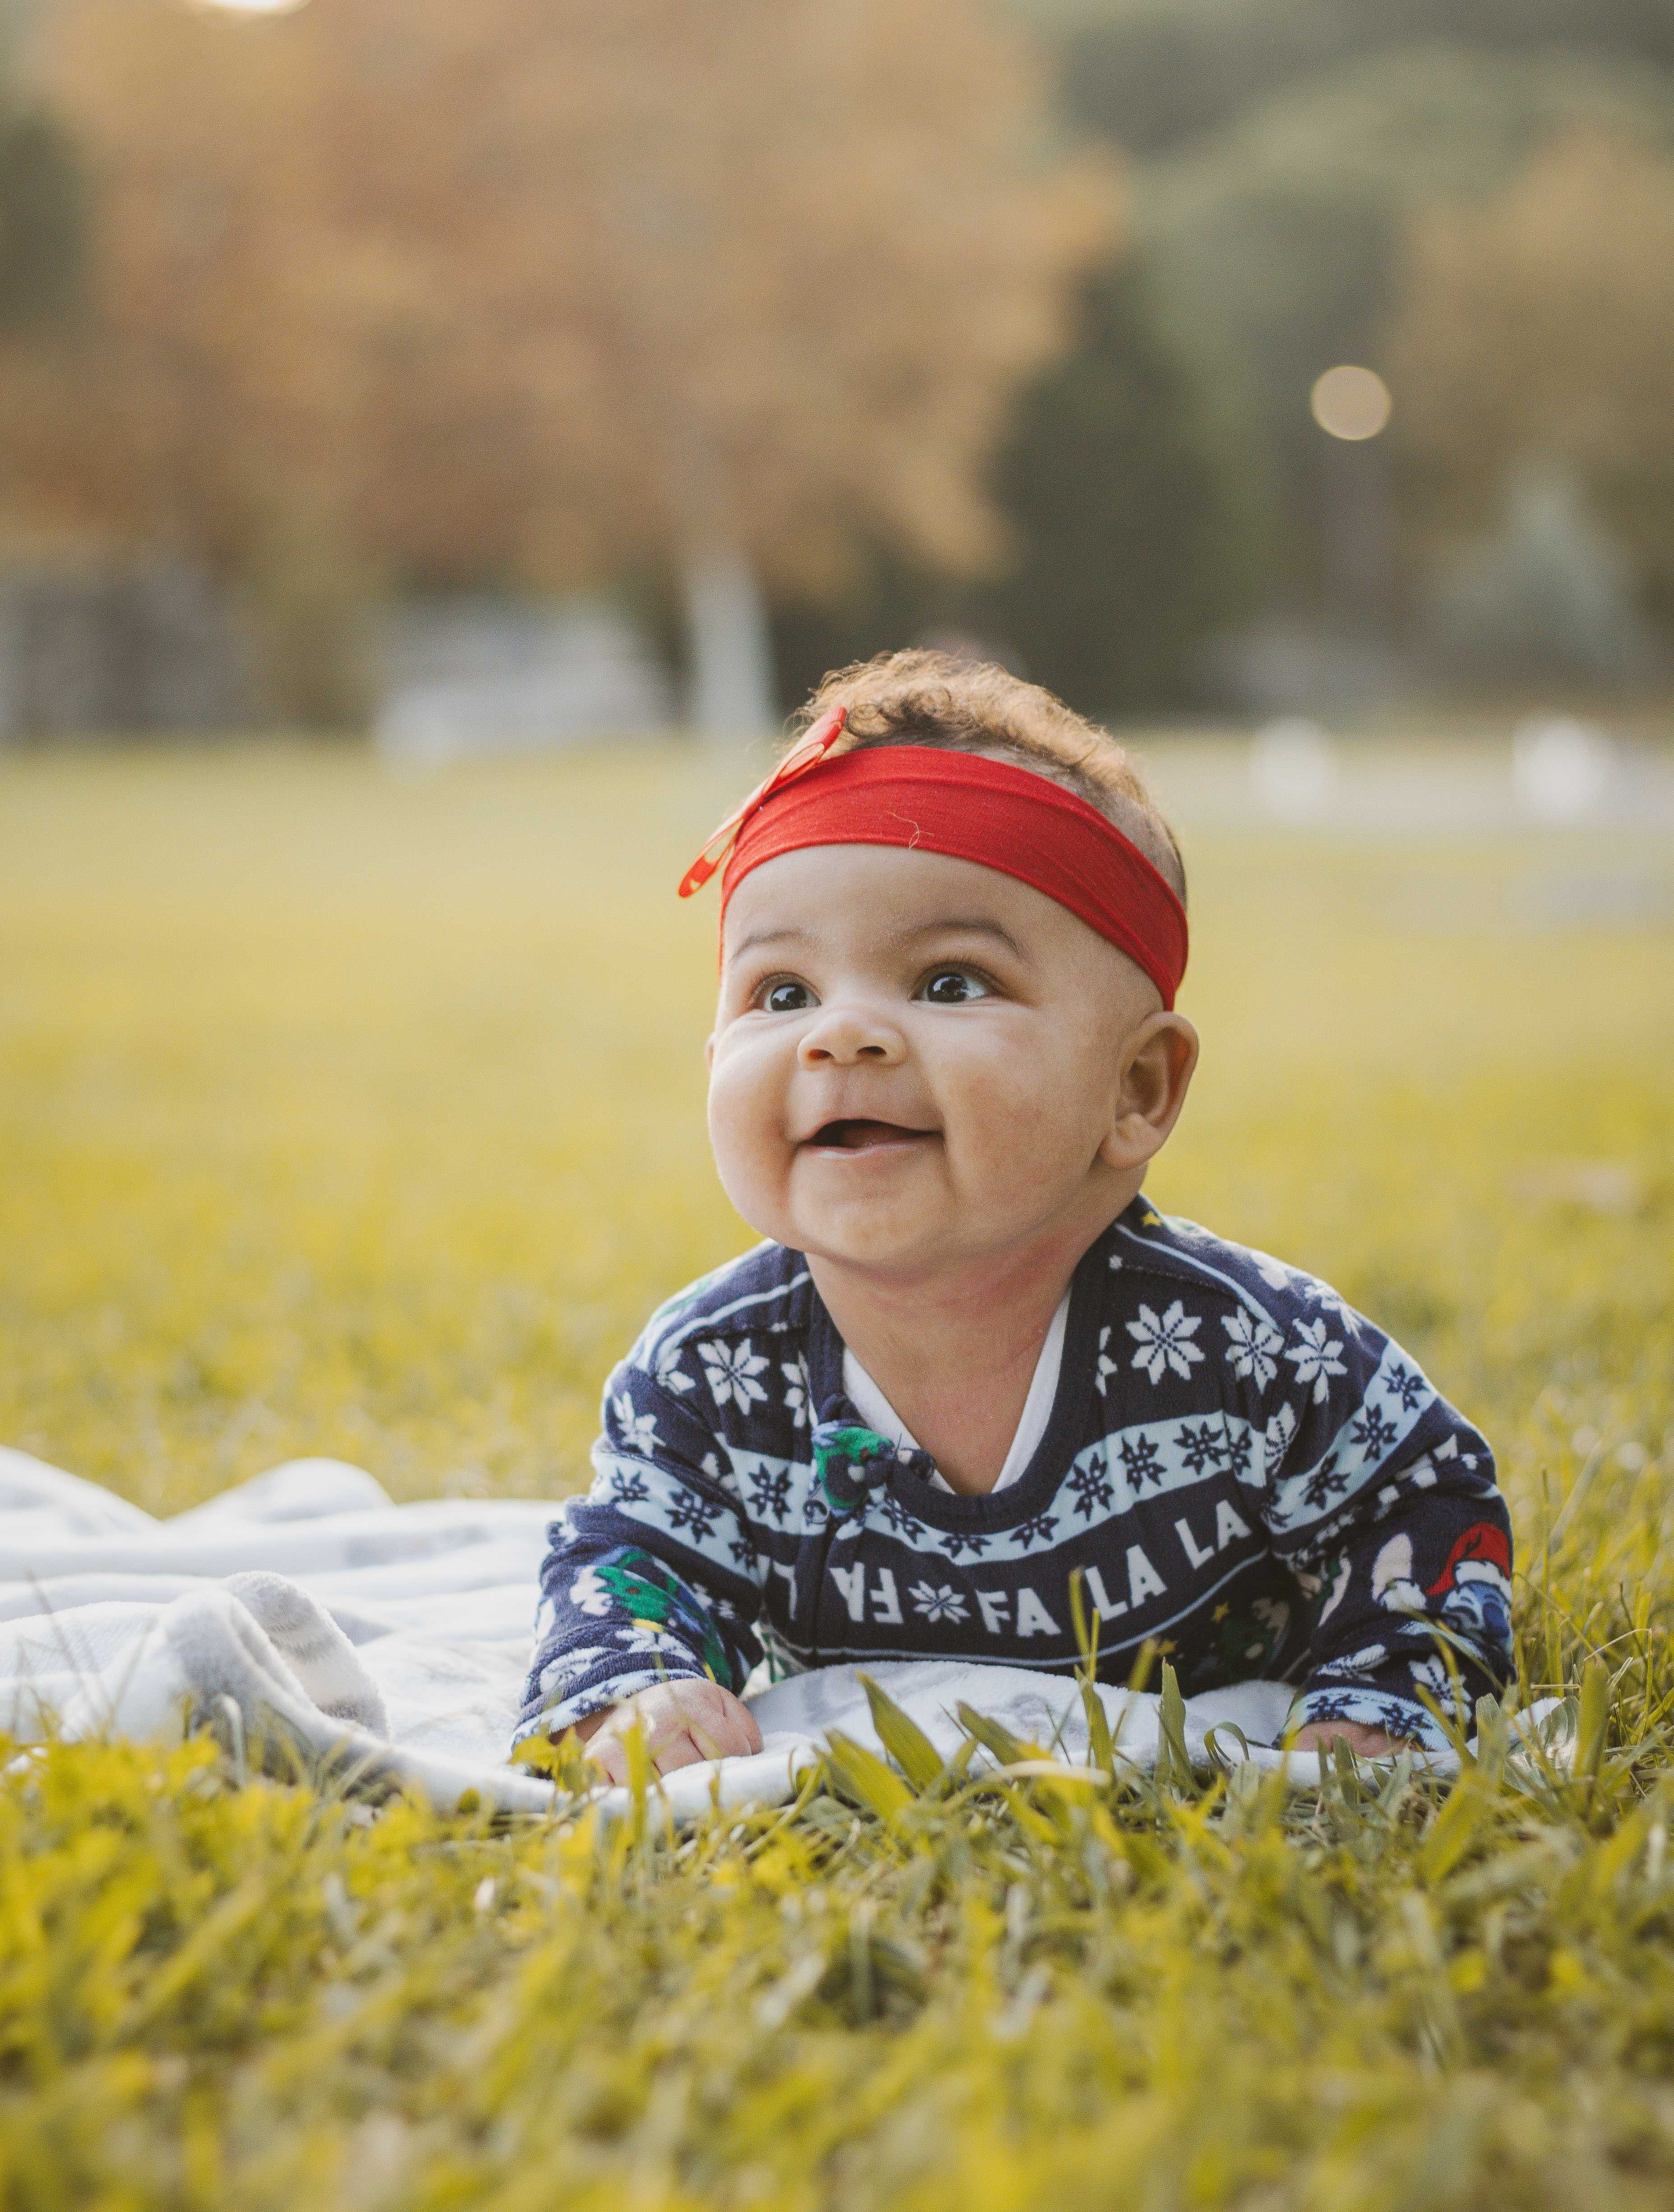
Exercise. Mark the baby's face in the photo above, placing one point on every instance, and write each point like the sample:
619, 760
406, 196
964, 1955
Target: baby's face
917, 1061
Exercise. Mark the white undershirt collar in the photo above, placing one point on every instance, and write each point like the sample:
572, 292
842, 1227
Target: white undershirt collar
875, 1410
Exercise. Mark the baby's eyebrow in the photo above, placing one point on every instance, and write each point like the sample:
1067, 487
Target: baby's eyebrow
958, 926
955, 925
759, 937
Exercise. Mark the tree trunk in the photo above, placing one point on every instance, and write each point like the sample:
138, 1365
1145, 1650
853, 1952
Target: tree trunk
731, 662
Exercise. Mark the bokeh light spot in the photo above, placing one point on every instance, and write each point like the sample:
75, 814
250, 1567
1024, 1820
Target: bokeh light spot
250, 7
1351, 402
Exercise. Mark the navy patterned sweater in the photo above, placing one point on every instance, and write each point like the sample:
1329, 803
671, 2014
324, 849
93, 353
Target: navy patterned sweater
1238, 1466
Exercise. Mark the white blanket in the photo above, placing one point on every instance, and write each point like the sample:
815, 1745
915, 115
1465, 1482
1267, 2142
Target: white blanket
311, 1622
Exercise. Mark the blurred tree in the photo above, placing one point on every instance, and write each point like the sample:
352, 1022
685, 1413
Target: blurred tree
1134, 515
41, 219
886, 599
1277, 241
1282, 145
1134, 518
40, 202
1151, 73
204, 403
1539, 325
1548, 593
547, 291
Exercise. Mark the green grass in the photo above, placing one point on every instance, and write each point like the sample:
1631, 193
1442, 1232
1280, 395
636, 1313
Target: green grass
339, 1113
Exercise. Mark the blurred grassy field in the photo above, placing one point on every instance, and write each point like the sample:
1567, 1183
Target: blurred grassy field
344, 1114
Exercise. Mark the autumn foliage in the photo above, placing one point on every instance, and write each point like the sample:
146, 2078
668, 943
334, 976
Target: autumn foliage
1540, 322
540, 290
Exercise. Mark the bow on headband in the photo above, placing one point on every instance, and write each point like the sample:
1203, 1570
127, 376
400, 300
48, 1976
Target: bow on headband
797, 761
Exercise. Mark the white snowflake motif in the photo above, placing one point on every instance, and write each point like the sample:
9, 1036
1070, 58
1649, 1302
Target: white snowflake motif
1107, 1366
1254, 1347
648, 1638
1431, 1675
1166, 1343
569, 1667
1272, 1272
1277, 1437
670, 1374
588, 1593
1357, 1663
797, 1389
730, 1370
1315, 1355
639, 1431
937, 1603
1329, 1301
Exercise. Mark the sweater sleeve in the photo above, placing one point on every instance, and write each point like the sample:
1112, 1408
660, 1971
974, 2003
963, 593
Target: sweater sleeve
652, 1576
1382, 1501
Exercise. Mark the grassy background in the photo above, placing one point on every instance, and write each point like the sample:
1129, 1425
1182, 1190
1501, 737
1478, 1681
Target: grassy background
349, 1115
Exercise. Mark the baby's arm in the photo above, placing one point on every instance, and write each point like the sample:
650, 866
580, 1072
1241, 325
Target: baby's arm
649, 1596
1385, 1507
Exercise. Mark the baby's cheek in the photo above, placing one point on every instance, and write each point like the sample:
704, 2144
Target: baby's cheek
745, 1125
1028, 1122
1015, 1083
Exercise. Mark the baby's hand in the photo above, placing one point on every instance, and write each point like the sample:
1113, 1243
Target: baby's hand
1365, 1742
684, 1722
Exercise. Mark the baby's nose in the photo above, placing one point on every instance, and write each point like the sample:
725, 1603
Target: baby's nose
845, 1035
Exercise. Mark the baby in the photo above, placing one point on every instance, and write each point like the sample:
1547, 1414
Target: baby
972, 1364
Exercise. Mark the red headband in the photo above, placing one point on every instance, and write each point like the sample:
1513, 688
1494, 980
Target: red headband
973, 809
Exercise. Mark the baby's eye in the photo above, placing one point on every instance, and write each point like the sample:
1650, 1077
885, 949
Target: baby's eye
952, 987
785, 997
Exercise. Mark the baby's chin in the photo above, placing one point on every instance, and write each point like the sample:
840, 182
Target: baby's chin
891, 1242
874, 1234
884, 1257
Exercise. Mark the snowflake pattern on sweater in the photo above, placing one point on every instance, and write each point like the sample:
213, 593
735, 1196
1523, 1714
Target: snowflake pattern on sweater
1238, 1466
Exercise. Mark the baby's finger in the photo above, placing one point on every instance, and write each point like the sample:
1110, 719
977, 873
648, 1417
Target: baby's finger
681, 1750
730, 1736
606, 1751
735, 1736
724, 1729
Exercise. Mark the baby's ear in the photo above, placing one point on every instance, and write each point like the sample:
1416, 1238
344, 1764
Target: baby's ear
1156, 1074
709, 1054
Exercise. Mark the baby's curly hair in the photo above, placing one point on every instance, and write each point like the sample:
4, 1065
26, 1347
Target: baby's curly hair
927, 698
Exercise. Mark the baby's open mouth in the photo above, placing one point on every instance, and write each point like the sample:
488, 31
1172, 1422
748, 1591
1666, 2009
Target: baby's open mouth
865, 1136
